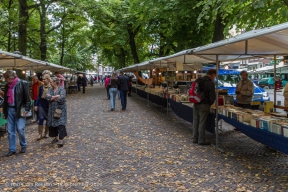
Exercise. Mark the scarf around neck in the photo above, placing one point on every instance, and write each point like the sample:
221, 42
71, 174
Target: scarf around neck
45, 90
10, 94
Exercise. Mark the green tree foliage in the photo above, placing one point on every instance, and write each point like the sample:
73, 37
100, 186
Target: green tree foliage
125, 32
244, 14
128, 32
9, 27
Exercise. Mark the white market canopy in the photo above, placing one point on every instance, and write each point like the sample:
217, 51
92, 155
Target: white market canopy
260, 43
264, 42
190, 62
16, 61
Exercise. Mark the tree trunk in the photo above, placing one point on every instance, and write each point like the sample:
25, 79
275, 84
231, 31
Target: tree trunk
22, 31
9, 43
123, 58
43, 35
62, 44
161, 51
219, 29
132, 43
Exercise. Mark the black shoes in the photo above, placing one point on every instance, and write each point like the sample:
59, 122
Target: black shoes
205, 143
10, 153
112, 109
54, 141
60, 143
23, 150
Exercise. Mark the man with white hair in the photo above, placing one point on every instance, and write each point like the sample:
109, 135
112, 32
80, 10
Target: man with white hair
244, 91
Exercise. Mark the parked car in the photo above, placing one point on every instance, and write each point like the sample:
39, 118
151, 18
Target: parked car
269, 82
228, 79
259, 97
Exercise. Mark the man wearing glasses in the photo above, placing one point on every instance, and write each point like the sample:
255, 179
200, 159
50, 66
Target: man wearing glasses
15, 109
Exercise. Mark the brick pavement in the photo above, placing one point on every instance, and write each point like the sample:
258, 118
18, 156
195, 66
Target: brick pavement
138, 150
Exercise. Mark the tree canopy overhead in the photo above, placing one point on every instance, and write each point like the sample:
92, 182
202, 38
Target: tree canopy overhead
125, 32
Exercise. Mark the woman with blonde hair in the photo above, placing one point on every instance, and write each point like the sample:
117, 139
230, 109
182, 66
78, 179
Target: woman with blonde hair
113, 90
42, 106
57, 113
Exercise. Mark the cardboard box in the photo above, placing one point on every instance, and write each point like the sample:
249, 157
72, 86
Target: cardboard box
234, 116
276, 128
254, 123
244, 117
285, 131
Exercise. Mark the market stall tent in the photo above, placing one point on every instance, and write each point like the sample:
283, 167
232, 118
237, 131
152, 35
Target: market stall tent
270, 41
16, 61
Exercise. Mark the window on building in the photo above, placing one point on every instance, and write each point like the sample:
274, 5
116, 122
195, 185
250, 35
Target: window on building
110, 68
105, 69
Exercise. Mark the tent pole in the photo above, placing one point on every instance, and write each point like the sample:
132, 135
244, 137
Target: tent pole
216, 131
148, 93
216, 102
274, 83
167, 112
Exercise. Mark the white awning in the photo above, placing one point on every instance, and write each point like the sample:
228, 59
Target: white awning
256, 43
15, 61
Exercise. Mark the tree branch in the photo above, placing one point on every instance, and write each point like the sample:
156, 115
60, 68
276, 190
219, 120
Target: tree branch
57, 26
33, 41
137, 30
285, 2
33, 6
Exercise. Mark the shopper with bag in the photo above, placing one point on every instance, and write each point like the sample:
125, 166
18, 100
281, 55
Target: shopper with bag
57, 113
201, 110
15, 108
42, 106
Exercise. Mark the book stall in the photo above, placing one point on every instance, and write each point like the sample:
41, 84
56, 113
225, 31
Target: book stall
26, 66
266, 127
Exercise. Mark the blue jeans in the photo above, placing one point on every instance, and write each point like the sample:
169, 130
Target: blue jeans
123, 96
112, 92
119, 94
15, 124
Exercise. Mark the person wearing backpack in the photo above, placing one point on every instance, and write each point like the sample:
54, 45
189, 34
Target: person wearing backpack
201, 109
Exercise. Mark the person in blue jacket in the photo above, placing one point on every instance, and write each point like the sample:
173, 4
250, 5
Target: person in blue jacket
42, 106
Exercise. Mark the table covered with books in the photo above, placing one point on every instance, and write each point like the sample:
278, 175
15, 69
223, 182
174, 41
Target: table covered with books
264, 128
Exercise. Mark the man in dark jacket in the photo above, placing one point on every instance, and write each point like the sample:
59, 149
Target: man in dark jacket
79, 82
123, 84
201, 110
15, 108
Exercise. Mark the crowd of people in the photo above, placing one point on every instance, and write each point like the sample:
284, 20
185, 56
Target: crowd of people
121, 84
49, 99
